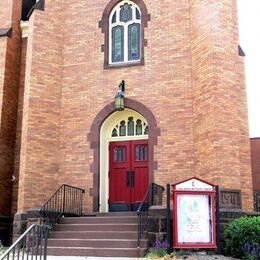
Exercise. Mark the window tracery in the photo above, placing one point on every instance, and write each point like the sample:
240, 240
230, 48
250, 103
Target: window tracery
133, 127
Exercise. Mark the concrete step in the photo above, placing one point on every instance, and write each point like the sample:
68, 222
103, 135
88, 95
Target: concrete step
100, 219
97, 235
114, 214
94, 234
96, 227
98, 252
96, 243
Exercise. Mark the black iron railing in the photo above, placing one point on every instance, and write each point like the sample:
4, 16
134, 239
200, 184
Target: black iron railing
257, 201
66, 201
153, 196
31, 245
156, 194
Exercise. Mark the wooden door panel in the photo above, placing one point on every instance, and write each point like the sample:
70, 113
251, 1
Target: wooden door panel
118, 192
139, 164
119, 164
141, 184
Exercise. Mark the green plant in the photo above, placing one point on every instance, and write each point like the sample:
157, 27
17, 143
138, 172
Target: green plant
159, 249
238, 233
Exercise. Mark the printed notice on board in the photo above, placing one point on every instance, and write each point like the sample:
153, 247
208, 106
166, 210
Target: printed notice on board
194, 219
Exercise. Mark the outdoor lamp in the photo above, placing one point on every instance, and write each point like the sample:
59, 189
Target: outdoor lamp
120, 96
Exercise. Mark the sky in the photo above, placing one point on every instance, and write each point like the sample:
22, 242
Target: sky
249, 29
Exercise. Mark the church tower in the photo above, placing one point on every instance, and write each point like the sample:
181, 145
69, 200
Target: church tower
185, 110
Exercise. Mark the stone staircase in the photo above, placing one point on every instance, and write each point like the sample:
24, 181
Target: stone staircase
103, 235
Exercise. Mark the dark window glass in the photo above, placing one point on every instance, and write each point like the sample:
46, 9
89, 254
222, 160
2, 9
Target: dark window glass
146, 130
122, 129
114, 17
119, 154
126, 13
118, 43
137, 14
114, 133
139, 127
130, 126
141, 152
134, 42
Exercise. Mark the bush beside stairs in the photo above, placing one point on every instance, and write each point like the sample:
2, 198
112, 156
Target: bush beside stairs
102, 235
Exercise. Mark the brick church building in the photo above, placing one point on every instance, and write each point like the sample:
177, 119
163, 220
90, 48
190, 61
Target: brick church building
184, 114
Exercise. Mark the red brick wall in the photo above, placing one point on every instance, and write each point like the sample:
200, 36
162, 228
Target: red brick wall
19, 125
190, 82
9, 83
255, 158
39, 155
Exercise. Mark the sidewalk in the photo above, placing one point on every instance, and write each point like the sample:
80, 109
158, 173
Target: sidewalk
89, 258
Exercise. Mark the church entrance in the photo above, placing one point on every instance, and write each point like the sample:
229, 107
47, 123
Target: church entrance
128, 174
124, 173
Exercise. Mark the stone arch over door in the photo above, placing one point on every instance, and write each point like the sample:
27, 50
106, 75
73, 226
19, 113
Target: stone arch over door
94, 139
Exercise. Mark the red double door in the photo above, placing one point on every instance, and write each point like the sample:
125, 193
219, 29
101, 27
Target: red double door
128, 174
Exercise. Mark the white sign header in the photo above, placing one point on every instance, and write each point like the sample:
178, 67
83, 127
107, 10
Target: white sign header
194, 185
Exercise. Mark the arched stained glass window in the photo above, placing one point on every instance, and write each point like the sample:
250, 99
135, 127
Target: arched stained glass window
130, 127
125, 33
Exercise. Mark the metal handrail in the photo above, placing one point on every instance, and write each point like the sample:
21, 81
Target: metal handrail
66, 201
33, 241
142, 211
156, 196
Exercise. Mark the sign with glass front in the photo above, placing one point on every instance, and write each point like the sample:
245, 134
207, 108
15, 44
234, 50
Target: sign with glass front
194, 214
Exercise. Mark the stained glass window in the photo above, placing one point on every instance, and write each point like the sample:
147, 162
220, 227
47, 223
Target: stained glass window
114, 133
126, 13
114, 18
125, 33
146, 130
122, 128
131, 126
118, 43
139, 127
134, 42
137, 14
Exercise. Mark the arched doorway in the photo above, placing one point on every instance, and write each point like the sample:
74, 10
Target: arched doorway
96, 143
124, 161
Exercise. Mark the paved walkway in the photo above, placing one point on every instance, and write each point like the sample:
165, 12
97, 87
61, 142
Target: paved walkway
89, 258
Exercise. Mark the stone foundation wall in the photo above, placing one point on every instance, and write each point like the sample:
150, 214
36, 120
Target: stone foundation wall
24, 220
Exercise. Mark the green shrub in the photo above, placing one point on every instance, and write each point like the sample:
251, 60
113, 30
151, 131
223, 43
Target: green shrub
242, 234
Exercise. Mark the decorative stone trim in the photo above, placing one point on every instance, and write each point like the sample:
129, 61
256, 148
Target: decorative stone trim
6, 32
230, 199
24, 27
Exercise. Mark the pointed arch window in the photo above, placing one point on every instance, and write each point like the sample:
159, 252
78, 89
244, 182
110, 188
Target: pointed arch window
125, 33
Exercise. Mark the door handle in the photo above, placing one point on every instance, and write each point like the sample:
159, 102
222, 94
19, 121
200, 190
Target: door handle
128, 178
132, 178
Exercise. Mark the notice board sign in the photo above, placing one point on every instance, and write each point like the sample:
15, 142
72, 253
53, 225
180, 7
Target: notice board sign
194, 214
